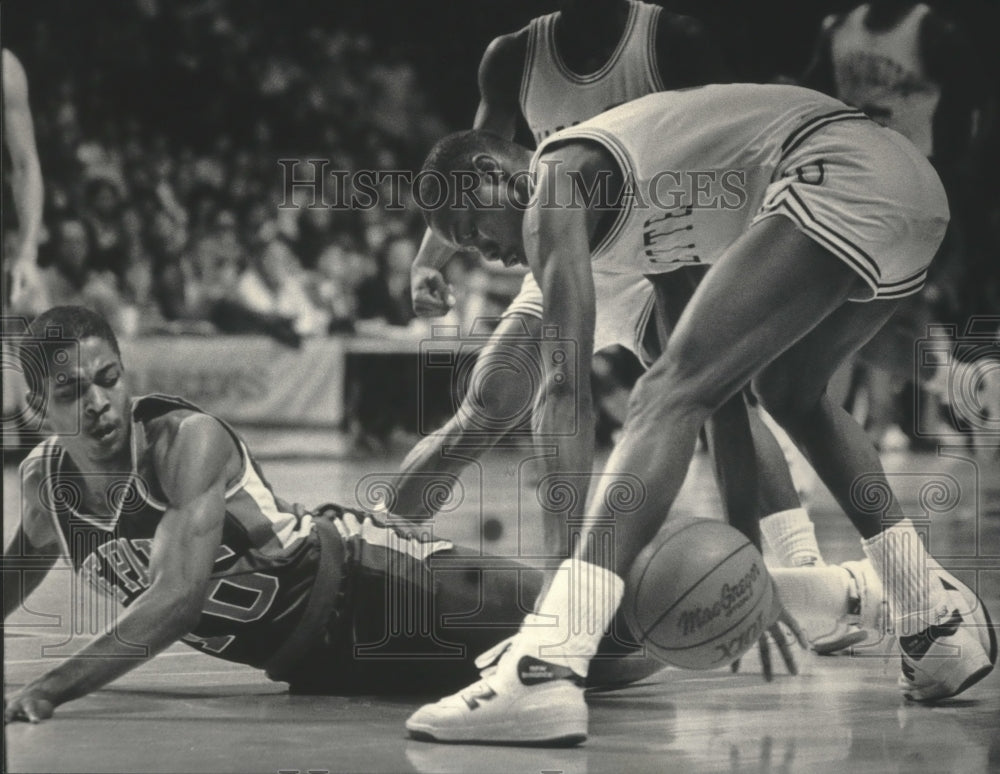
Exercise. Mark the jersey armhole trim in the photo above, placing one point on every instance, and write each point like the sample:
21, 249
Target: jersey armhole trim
529, 59
656, 78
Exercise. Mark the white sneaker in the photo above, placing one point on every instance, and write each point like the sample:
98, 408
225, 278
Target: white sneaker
840, 639
868, 607
523, 701
954, 654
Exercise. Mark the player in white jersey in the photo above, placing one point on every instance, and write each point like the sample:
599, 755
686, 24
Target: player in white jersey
862, 214
907, 67
559, 70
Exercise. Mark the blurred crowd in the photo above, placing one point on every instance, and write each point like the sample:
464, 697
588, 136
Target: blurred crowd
166, 207
160, 125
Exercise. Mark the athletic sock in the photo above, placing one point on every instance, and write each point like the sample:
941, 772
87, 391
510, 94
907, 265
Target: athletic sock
567, 627
792, 537
817, 594
903, 564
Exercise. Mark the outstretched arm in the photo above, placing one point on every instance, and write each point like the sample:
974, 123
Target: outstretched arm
26, 177
24, 567
193, 475
499, 84
501, 393
557, 245
33, 550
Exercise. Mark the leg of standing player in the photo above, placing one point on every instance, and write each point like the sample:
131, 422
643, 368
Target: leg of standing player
778, 287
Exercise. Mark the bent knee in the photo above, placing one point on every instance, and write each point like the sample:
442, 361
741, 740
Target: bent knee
674, 385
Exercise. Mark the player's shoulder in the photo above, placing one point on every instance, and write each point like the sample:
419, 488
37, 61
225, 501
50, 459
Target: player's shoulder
36, 468
502, 65
564, 165
184, 437
39, 494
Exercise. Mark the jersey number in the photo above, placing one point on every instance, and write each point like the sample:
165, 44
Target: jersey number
244, 600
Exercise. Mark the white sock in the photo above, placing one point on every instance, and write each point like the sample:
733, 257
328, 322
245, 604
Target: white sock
568, 624
903, 565
792, 537
816, 594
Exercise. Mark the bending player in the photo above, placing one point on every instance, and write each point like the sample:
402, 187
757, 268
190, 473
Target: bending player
162, 506
559, 70
701, 176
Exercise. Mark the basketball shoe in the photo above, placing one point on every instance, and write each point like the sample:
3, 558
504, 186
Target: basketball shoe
955, 653
944, 659
522, 700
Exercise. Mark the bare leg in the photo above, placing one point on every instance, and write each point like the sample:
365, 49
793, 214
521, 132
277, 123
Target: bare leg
793, 389
775, 284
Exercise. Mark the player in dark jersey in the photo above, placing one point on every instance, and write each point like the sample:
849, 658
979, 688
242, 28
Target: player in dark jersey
163, 506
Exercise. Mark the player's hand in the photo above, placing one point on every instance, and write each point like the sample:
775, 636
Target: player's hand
432, 296
780, 618
29, 705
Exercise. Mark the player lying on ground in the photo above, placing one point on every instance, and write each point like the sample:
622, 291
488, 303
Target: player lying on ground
163, 506
692, 177
559, 70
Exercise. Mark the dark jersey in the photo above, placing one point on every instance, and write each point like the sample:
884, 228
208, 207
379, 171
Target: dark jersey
266, 562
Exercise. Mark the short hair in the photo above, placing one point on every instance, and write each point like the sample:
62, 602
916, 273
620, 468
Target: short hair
47, 334
452, 156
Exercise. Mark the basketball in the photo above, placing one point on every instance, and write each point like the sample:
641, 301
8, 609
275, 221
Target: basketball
698, 595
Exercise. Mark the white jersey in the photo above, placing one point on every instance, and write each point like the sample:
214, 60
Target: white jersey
553, 97
882, 73
702, 164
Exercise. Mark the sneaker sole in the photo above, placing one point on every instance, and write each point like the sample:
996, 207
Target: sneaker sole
971, 680
840, 644
566, 740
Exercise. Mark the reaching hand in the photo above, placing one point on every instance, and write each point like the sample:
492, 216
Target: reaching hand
29, 705
432, 296
777, 617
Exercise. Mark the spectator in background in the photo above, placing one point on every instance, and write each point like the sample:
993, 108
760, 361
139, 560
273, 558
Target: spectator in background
337, 279
70, 278
213, 264
387, 295
274, 286
907, 67
103, 215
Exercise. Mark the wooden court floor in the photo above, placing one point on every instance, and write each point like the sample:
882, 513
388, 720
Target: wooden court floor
186, 712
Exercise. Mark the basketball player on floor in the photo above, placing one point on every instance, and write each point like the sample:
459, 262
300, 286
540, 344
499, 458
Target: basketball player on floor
811, 209
557, 71
163, 507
